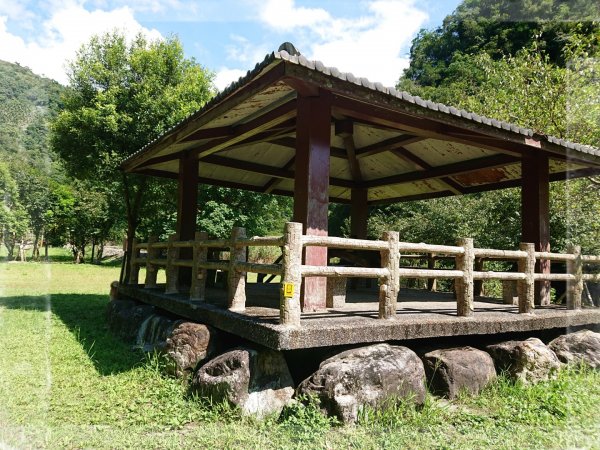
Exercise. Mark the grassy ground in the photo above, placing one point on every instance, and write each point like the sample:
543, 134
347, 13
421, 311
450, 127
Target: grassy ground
65, 382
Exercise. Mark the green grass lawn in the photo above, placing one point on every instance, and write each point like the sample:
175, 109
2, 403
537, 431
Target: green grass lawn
66, 382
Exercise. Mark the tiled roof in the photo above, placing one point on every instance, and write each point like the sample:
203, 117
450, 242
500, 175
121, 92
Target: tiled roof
364, 82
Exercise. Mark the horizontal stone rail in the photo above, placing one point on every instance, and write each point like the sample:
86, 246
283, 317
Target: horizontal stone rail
468, 265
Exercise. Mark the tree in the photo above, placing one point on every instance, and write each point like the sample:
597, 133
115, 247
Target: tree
121, 95
13, 217
498, 28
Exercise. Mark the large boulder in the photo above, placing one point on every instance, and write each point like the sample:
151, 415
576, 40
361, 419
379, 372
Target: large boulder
450, 371
188, 344
256, 380
529, 361
125, 317
581, 347
372, 376
154, 331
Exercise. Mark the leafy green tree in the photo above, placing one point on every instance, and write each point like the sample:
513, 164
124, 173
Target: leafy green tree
223, 208
13, 217
498, 28
121, 95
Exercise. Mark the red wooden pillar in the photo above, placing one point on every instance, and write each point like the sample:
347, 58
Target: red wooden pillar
535, 216
359, 213
311, 187
187, 208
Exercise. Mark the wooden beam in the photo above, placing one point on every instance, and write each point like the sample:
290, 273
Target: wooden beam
263, 128
229, 131
388, 145
345, 129
472, 165
274, 182
209, 133
290, 142
263, 169
248, 129
407, 155
412, 198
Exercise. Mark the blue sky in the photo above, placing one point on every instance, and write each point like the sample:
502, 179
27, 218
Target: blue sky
370, 38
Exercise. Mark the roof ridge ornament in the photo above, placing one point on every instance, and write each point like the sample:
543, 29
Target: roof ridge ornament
289, 48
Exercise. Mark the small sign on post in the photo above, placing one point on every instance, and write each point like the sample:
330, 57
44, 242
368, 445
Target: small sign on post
288, 290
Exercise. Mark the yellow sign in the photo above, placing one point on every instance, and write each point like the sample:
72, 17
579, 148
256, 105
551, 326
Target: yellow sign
288, 290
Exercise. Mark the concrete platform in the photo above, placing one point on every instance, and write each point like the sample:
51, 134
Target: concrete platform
420, 314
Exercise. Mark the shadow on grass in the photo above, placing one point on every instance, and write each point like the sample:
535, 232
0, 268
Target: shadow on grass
84, 315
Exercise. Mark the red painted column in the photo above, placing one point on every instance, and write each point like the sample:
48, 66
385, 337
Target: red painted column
535, 216
187, 209
359, 213
311, 187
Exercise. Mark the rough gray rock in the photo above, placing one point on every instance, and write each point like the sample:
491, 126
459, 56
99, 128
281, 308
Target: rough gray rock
373, 375
154, 331
125, 317
450, 371
188, 344
580, 347
529, 361
258, 381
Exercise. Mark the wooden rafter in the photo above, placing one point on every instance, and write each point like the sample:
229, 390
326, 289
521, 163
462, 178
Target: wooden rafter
274, 182
388, 145
290, 142
263, 169
446, 170
407, 155
246, 130
345, 129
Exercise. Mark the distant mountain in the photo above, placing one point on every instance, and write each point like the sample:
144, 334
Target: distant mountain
27, 103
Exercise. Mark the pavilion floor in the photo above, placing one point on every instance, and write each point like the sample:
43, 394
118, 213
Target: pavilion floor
420, 314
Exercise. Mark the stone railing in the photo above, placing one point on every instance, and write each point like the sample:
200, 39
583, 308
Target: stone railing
389, 274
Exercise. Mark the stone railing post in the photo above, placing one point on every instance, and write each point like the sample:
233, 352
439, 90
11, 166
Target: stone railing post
236, 278
389, 286
172, 270
575, 287
526, 287
151, 269
134, 265
291, 279
464, 285
200, 255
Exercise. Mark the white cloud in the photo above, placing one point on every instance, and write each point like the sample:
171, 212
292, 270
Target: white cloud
284, 14
62, 34
368, 46
225, 77
244, 51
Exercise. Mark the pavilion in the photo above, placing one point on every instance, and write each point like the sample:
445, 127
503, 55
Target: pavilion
296, 127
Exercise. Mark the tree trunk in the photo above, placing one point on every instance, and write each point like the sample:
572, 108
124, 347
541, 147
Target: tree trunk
22, 251
100, 251
35, 253
46, 250
93, 251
